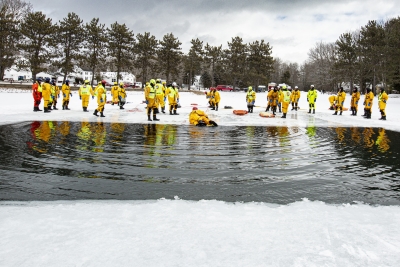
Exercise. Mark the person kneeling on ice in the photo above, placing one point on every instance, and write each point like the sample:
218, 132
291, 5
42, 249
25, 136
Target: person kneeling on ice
332, 100
341, 97
199, 118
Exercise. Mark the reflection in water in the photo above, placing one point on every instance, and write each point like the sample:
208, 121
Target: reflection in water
134, 161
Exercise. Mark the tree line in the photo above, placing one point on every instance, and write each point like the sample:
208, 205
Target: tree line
368, 58
32, 41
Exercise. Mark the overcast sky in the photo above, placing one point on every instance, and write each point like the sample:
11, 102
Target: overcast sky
291, 27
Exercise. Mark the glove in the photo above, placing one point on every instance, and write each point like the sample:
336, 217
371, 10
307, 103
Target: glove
177, 100
253, 102
80, 97
58, 95
165, 98
92, 97
364, 103
315, 100
369, 104
384, 101
356, 102
70, 94
342, 103
101, 100
147, 102
307, 99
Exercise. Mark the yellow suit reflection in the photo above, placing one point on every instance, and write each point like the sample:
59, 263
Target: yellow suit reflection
368, 141
99, 137
44, 132
382, 141
355, 135
117, 132
340, 131
84, 135
64, 130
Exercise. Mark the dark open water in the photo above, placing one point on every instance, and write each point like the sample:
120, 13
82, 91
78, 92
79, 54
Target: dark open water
82, 160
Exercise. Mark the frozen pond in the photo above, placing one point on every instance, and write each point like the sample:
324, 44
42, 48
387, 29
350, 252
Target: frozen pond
61, 160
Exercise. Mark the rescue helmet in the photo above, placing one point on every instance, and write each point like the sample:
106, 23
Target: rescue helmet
164, 82
174, 84
355, 89
276, 88
99, 83
296, 87
250, 88
115, 83
121, 83
86, 81
152, 82
47, 79
67, 81
158, 81
147, 83
39, 79
312, 86
283, 86
194, 108
368, 90
341, 89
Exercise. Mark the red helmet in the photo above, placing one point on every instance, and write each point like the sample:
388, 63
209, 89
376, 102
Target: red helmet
194, 108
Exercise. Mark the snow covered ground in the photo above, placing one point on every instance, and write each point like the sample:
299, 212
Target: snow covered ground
203, 233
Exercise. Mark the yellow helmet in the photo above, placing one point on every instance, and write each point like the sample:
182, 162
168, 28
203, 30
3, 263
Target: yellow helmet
164, 82
86, 81
152, 81
115, 83
99, 82
250, 88
147, 83
283, 86
121, 83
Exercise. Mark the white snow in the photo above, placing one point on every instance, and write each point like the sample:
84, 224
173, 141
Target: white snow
197, 233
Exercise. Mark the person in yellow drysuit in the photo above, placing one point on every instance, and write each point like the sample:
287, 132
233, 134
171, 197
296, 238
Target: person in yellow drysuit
208, 96
121, 95
295, 98
160, 95
250, 99
114, 94
84, 93
101, 99
55, 93
46, 93
151, 100
280, 97
341, 97
355, 97
66, 90
382, 99
368, 101
199, 118
173, 96
273, 99
332, 100
52, 92
270, 91
286, 96
215, 99
312, 98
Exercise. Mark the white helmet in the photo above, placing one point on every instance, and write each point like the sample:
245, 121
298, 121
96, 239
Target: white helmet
312, 86
174, 84
296, 87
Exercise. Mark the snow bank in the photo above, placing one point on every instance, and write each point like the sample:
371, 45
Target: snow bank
203, 233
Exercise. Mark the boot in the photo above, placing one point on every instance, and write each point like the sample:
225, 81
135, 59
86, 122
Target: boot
355, 112
365, 113
38, 109
35, 109
95, 112
309, 111
313, 112
368, 114
46, 110
85, 109
216, 107
267, 108
280, 110
170, 112
55, 108
251, 110
148, 118
273, 110
63, 107
155, 118
176, 106
101, 114
384, 118
66, 105
163, 109
49, 107
335, 113
121, 107
212, 107
284, 116
292, 107
340, 112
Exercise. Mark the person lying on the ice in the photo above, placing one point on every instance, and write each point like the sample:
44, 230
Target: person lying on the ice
199, 118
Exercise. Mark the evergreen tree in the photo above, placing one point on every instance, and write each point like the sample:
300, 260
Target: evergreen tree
259, 63
11, 14
94, 45
346, 64
145, 50
391, 61
120, 47
169, 56
70, 36
213, 58
206, 79
285, 77
194, 59
235, 60
37, 40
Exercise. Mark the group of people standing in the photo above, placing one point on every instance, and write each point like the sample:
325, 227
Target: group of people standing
337, 102
278, 97
50, 92
156, 93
